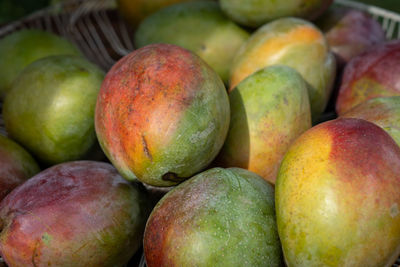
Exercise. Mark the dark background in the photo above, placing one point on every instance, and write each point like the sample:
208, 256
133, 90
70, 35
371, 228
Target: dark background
13, 9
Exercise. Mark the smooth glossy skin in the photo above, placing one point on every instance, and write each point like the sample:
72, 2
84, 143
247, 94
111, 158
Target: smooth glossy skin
296, 43
269, 110
337, 199
383, 111
50, 109
254, 13
79, 213
221, 217
23, 47
162, 115
16, 165
371, 74
198, 26
350, 32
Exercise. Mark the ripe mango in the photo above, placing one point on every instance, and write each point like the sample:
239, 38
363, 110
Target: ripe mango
162, 115
296, 43
220, 217
350, 32
269, 109
372, 74
16, 165
383, 111
337, 196
80, 213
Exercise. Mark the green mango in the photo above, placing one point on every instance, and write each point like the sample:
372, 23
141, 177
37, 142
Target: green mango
50, 109
220, 217
21, 48
254, 13
198, 26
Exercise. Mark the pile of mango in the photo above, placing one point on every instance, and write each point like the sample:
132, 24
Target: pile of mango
238, 133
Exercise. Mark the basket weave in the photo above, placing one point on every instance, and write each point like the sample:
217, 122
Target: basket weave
98, 30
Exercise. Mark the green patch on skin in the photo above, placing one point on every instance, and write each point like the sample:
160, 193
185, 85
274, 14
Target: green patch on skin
227, 219
46, 238
200, 135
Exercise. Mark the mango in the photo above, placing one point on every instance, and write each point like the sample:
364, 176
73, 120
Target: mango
135, 11
162, 115
50, 109
80, 213
350, 32
254, 13
197, 26
269, 109
220, 217
296, 43
383, 111
16, 165
371, 74
19, 49
337, 200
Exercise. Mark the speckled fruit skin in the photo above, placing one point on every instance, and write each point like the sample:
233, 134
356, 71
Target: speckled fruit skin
16, 165
269, 109
23, 47
198, 26
337, 196
383, 111
296, 43
350, 32
254, 13
162, 115
80, 213
50, 109
136, 10
221, 217
371, 74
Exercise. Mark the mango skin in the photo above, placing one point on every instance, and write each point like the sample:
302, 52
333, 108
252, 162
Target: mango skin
372, 74
337, 200
80, 213
254, 13
350, 32
50, 109
197, 26
135, 11
269, 109
162, 115
16, 165
383, 111
23, 47
220, 217
296, 43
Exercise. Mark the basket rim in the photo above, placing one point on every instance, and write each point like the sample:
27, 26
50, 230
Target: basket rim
370, 9
374, 10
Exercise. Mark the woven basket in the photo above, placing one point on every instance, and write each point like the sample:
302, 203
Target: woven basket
97, 29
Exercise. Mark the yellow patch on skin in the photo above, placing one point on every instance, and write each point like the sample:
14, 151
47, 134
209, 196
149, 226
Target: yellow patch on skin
272, 49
